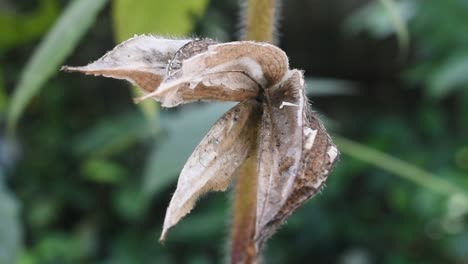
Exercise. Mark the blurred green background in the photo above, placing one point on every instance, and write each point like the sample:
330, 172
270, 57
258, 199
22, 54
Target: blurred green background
86, 175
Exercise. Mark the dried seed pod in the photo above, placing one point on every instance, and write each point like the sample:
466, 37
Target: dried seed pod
303, 165
295, 155
274, 120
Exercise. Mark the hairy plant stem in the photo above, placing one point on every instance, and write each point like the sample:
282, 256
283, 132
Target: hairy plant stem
243, 249
259, 21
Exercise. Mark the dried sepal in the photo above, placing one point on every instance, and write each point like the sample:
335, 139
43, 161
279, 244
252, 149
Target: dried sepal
213, 163
280, 149
187, 51
233, 71
302, 173
182, 71
141, 60
224, 86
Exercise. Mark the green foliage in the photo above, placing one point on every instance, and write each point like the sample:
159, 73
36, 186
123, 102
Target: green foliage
442, 46
103, 171
20, 28
10, 230
450, 75
58, 44
171, 18
398, 23
400, 168
3, 96
441, 54
381, 19
112, 135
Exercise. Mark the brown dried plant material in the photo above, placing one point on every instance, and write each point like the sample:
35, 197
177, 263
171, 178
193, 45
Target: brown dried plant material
272, 125
296, 155
213, 163
141, 60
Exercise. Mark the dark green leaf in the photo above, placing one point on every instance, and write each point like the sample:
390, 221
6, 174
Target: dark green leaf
174, 17
21, 28
3, 96
57, 44
103, 171
112, 135
398, 167
10, 230
450, 75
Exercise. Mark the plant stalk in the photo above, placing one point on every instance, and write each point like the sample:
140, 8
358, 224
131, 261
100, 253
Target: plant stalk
259, 24
260, 20
398, 167
243, 248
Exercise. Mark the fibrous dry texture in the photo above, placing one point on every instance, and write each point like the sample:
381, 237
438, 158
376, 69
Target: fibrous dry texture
272, 127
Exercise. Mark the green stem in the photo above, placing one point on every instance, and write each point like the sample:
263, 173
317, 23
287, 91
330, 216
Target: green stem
398, 167
260, 17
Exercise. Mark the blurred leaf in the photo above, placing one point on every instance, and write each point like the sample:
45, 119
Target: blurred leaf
103, 171
441, 49
21, 28
213, 25
398, 167
59, 248
461, 157
43, 211
112, 135
184, 132
208, 223
57, 44
451, 74
129, 202
397, 18
330, 87
458, 247
3, 96
132, 247
176, 17
382, 19
150, 108
10, 229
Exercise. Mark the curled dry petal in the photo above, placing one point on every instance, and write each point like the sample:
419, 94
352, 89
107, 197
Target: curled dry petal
181, 71
213, 163
233, 71
141, 60
280, 149
224, 86
295, 156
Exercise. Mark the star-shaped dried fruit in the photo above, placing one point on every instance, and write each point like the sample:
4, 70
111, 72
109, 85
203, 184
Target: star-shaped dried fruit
272, 123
